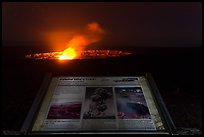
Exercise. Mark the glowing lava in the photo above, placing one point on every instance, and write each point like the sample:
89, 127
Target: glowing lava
76, 46
85, 54
68, 54
93, 33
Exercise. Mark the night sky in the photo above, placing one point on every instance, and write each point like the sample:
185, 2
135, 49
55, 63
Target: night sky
133, 24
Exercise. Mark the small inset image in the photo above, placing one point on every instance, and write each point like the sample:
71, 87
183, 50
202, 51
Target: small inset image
70, 110
131, 103
99, 103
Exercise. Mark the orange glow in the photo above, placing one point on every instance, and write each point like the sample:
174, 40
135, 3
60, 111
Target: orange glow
85, 54
93, 33
68, 54
76, 47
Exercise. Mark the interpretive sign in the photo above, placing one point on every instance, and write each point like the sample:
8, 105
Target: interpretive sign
99, 104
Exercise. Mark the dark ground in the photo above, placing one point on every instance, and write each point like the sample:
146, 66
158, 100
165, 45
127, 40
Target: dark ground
177, 72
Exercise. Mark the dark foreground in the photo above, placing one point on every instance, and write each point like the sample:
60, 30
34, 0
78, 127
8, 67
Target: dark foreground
177, 72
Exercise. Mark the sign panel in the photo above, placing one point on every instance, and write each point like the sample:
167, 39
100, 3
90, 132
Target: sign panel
99, 104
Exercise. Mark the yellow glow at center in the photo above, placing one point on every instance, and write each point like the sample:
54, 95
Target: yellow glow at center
68, 54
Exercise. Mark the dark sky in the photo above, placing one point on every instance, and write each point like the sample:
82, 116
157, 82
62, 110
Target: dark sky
133, 24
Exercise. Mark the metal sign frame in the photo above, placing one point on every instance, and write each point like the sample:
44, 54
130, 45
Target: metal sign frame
32, 115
